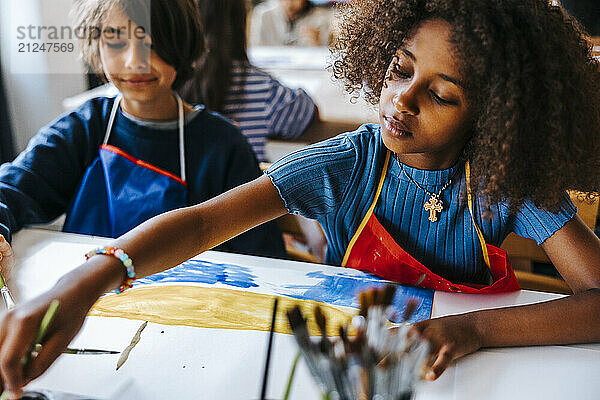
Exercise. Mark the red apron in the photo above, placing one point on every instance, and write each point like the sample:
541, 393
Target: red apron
374, 250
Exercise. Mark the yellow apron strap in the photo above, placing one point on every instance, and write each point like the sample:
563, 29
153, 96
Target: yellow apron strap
369, 211
486, 257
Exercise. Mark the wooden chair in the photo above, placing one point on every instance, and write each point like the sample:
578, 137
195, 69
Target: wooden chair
292, 229
522, 252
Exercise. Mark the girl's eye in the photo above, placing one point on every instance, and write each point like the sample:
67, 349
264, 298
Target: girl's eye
116, 45
441, 100
397, 73
150, 46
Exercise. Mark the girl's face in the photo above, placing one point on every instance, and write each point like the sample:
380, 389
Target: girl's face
130, 63
423, 107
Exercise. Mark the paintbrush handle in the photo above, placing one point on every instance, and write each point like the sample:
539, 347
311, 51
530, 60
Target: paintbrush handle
70, 350
7, 297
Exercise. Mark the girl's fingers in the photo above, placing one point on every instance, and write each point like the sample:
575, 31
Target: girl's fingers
15, 345
418, 331
4, 245
7, 257
51, 350
442, 359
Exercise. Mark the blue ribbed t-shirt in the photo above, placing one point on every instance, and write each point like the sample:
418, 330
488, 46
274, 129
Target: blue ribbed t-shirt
335, 182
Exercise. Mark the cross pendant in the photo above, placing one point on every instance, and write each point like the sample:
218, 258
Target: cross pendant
434, 206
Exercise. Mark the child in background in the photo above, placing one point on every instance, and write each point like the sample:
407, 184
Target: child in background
226, 82
481, 134
116, 162
289, 23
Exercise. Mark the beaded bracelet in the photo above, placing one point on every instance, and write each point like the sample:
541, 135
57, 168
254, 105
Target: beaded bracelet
123, 257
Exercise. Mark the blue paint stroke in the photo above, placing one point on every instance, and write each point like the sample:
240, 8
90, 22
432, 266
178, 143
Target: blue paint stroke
198, 271
342, 289
338, 288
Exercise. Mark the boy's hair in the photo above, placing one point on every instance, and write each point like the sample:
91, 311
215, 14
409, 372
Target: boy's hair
531, 82
173, 25
224, 24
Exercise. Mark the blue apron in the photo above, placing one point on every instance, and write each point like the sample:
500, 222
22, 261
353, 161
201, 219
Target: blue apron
119, 192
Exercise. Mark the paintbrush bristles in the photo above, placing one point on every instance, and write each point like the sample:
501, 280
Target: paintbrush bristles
321, 320
377, 363
362, 301
388, 295
411, 306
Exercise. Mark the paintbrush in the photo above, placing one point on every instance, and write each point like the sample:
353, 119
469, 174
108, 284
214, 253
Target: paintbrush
6, 296
288, 387
71, 350
36, 347
334, 360
300, 331
263, 391
322, 324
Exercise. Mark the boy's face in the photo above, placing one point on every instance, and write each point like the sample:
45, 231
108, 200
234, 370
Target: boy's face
130, 63
423, 107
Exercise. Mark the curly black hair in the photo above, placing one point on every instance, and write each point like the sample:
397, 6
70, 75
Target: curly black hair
532, 84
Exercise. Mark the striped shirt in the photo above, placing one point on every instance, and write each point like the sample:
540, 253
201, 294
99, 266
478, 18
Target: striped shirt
262, 107
335, 181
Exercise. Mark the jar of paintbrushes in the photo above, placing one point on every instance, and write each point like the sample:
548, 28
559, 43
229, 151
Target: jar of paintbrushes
369, 360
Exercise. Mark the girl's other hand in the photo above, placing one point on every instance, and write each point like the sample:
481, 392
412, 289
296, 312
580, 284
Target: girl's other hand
450, 337
310, 36
7, 258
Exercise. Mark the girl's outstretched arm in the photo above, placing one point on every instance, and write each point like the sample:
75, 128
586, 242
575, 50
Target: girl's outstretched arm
157, 244
575, 251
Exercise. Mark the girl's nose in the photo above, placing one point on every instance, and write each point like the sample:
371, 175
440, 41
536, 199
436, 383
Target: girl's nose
138, 58
405, 102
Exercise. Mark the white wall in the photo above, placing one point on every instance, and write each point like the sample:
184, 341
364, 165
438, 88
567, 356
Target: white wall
35, 97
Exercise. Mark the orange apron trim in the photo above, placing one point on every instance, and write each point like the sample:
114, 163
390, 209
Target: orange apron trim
369, 211
141, 163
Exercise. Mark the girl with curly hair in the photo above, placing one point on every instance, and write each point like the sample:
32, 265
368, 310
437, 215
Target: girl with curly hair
489, 112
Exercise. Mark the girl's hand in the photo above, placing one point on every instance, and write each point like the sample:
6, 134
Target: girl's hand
7, 258
450, 337
19, 328
310, 36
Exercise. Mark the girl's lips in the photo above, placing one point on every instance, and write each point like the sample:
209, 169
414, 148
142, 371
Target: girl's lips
139, 81
395, 128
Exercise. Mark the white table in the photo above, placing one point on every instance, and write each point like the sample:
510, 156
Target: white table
188, 362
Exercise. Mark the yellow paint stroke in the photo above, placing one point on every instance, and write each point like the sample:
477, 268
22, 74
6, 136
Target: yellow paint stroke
215, 308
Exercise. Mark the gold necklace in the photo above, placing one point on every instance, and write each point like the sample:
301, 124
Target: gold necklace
434, 205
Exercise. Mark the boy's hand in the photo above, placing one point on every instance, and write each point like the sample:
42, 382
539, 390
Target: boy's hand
450, 337
7, 258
